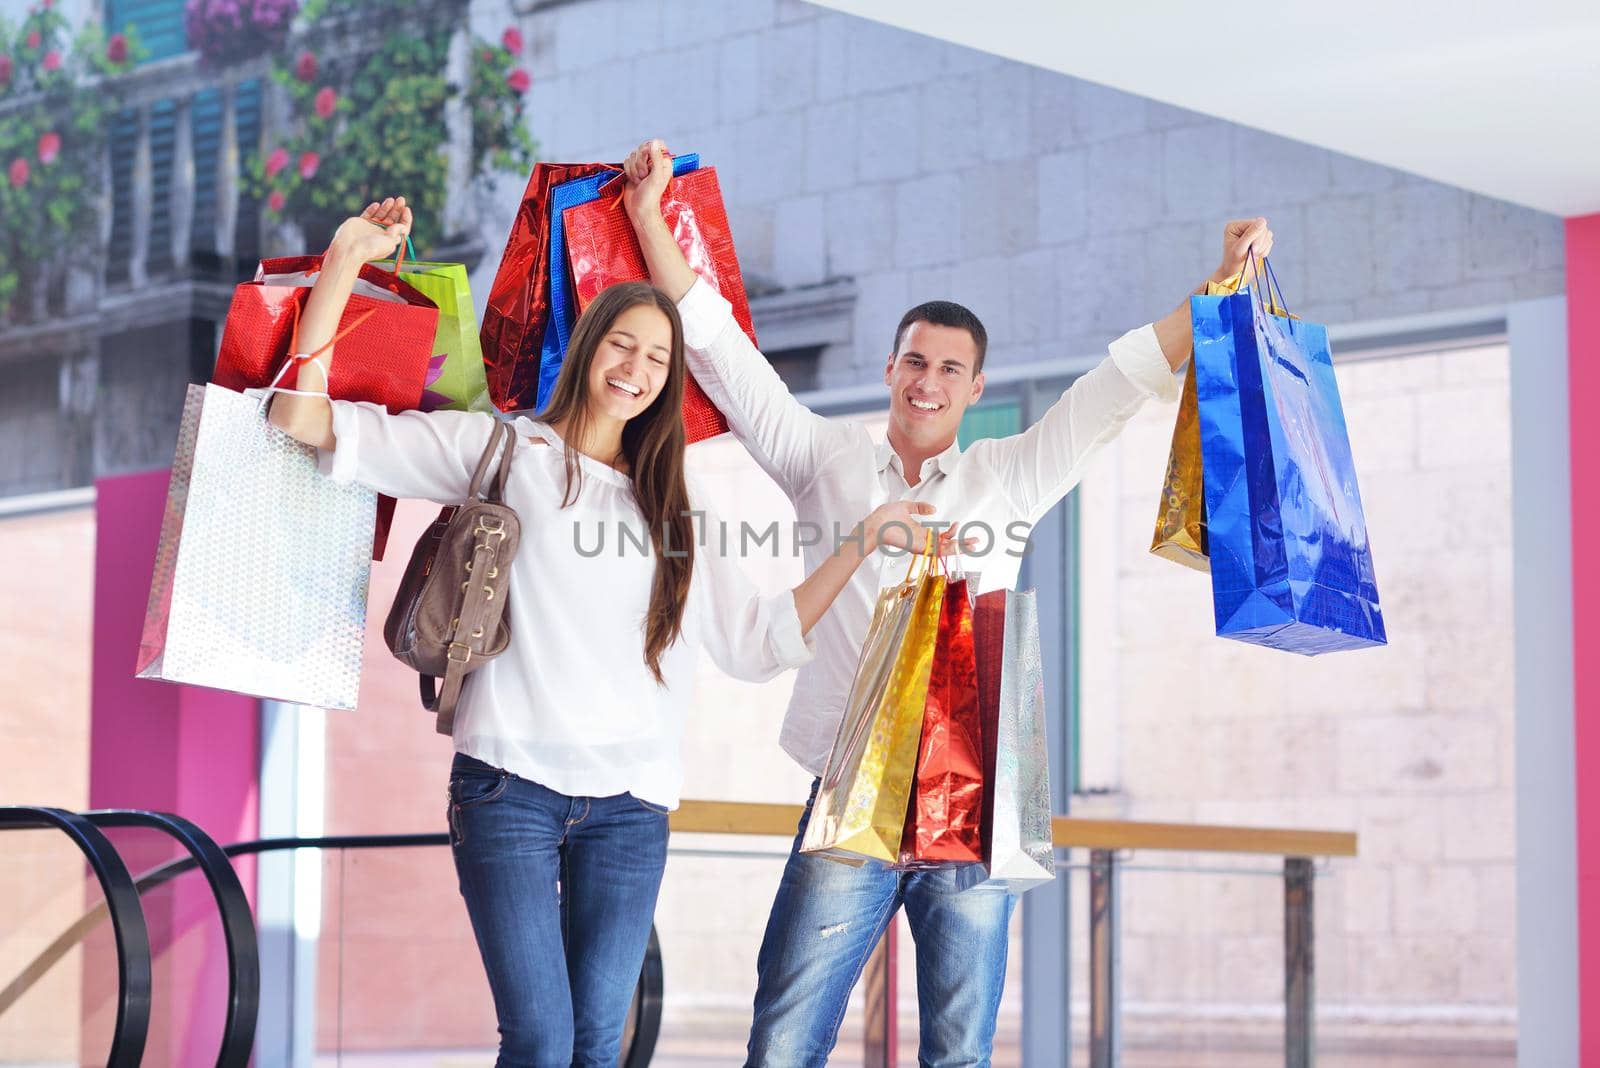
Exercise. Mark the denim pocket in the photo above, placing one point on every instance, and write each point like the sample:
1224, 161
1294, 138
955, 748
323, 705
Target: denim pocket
475, 788
470, 788
659, 810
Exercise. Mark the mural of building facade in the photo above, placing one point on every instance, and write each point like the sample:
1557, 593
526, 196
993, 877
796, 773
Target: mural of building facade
865, 169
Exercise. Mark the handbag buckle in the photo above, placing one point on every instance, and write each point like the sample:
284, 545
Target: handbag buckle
450, 653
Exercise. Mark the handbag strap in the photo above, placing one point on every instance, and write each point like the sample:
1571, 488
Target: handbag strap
471, 624
484, 461
504, 473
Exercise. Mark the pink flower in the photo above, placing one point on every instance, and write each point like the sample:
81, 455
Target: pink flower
511, 40
277, 161
5, 70
275, 201
309, 161
519, 80
117, 48
19, 172
52, 61
487, 56
34, 39
326, 99
49, 147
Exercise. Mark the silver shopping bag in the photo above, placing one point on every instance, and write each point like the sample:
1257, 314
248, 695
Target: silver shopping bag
260, 583
1019, 851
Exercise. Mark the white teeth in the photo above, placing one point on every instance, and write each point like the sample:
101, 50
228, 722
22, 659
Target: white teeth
927, 406
626, 387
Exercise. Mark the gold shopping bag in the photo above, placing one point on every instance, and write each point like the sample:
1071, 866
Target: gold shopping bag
1181, 523
1181, 519
860, 809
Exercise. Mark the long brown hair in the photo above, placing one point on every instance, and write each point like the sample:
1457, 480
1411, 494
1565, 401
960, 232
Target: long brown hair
653, 444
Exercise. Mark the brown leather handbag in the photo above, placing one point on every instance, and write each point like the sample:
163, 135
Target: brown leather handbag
448, 619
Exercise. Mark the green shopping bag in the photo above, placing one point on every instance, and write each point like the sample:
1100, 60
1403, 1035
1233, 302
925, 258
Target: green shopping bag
455, 370
455, 377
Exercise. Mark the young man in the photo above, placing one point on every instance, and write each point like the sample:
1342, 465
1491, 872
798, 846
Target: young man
828, 916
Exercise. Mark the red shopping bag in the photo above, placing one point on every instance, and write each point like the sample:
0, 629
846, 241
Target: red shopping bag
988, 644
519, 300
944, 820
383, 358
602, 251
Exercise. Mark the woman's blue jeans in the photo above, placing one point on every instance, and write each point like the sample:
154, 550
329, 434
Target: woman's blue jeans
561, 892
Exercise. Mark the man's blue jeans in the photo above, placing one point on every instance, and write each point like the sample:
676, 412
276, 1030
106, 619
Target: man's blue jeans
826, 921
561, 892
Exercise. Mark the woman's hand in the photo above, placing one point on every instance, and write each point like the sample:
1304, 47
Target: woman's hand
375, 233
896, 525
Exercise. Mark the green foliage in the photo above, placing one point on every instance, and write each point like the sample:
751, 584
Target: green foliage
52, 118
374, 127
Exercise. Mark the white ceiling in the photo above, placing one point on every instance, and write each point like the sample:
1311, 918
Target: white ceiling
1497, 98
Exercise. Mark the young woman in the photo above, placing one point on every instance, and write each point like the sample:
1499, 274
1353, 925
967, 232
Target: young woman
567, 745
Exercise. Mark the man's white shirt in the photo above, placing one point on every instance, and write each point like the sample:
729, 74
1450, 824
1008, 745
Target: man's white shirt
834, 473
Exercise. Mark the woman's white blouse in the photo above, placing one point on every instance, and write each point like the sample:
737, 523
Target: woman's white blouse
570, 704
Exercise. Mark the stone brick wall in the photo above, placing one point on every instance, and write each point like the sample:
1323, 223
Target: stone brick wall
1062, 212
1410, 745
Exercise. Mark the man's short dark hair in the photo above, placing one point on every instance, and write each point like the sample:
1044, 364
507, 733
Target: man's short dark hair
945, 313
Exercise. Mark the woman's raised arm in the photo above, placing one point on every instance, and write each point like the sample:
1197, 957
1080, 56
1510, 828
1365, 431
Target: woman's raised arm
372, 235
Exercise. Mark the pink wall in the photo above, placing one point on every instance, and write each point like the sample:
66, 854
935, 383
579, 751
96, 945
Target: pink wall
1583, 369
155, 745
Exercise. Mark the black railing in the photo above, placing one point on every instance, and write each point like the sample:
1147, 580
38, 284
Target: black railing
244, 984
238, 923
127, 923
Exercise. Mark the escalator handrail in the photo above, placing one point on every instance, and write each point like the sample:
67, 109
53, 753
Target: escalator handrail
647, 1024
238, 923
128, 926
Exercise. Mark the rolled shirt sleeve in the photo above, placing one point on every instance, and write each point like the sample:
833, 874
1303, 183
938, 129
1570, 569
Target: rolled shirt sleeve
705, 314
430, 455
1138, 355
787, 439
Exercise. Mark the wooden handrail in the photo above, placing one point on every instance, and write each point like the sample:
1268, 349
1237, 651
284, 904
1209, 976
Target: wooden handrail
741, 817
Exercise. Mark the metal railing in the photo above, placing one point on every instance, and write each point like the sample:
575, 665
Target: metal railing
1106, 841
127, 922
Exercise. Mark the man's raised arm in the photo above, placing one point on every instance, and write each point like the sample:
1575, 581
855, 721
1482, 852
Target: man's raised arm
1039, 465
788, 439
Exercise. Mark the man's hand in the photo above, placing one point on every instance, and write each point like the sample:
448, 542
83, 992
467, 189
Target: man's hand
1245, 243
1240, 239
645, 174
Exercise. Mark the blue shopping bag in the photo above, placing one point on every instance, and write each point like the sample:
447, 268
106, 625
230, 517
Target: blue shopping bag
1290, 564
563, 305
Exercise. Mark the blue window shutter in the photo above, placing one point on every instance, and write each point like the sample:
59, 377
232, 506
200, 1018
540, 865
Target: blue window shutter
160, 27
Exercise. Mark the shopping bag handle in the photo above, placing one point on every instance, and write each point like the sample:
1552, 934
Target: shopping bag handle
913, 577
928, 559
1265, 277
401, 253
296, 357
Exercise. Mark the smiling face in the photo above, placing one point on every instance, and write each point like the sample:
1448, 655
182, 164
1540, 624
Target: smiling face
631, 363
932, 378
